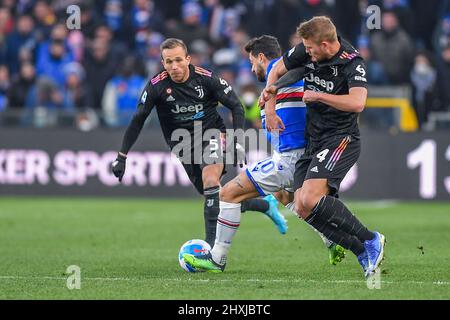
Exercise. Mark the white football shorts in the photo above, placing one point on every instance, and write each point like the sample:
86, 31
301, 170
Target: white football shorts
275, 173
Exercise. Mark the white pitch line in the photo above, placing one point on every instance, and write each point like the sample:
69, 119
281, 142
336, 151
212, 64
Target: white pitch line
220, 280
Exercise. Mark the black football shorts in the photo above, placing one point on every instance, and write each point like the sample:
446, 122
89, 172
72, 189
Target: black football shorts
330, 159
211, 154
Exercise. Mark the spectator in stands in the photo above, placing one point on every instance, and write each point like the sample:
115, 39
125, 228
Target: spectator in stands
21, 85
375, 70
45, 104
249, 98
259, 16
234, 58
100, 66
114, 14
224, 26
53, 56
45, 19
394, 49
244, 73
4, 86
215, 31
76, 43
145, 17
347, 16
121, 94
426, 16
402, 10
423, 79
444, 79
443, 34
200, 52
22, 38
190, 29
118, 49
152, 55
212, 17
6, 22
75, 93
118, 21
10, 5
89, 19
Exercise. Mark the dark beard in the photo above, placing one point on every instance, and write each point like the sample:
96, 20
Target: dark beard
261, 78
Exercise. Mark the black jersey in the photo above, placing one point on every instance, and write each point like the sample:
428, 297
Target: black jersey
334, 76
179, 105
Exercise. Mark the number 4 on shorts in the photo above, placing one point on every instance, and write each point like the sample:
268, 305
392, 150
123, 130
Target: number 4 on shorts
322, 155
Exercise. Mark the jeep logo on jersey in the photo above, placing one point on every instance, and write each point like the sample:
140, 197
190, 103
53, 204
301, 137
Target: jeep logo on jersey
195, 108
328, 85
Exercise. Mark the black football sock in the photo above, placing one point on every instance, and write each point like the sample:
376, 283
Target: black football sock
257, 204
339, 237
211, 212
335, 213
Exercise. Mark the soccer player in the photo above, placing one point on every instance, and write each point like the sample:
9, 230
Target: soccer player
336, 92
269, 175
185, 96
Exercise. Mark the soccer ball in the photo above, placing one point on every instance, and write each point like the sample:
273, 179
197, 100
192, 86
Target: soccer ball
195, 247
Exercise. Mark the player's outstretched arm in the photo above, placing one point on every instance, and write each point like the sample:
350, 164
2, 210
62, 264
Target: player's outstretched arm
132, 133
134, 128
130, 137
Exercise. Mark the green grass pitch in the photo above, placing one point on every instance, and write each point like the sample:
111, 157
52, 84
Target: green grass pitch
127, 249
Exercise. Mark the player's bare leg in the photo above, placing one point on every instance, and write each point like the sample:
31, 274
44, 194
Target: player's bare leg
211, 184
242, 188
231, 196
238, 190
284, 197
309, 195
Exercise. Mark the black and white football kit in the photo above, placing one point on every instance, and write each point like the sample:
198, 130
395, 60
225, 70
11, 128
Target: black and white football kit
187, 105
333, 135
333, 148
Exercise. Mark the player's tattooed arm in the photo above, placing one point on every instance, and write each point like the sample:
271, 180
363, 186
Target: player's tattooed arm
237, 181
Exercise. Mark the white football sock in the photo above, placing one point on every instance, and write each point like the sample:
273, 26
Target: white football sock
327, 242
227, 223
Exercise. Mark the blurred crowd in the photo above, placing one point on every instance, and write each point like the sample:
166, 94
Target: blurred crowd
92, 76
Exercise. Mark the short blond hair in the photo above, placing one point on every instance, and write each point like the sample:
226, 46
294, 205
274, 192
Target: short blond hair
318, 29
